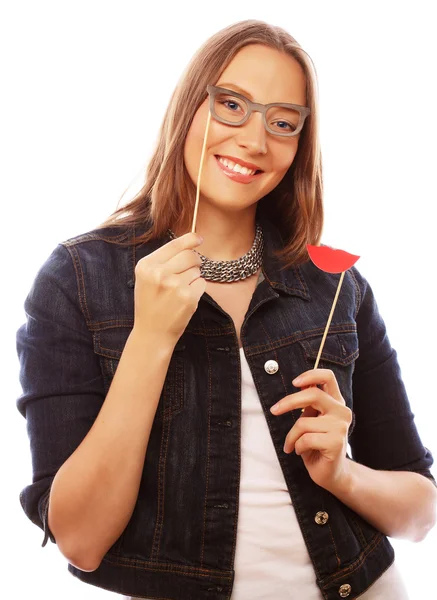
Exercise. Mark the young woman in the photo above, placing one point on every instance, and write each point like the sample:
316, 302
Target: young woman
164, 377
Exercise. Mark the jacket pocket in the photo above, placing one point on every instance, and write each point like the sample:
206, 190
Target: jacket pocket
339, 349
339, 354
109, 344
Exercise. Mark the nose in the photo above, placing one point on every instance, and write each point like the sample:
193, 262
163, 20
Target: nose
253, 135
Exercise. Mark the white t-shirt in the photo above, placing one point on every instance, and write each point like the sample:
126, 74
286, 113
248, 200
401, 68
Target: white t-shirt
271, 559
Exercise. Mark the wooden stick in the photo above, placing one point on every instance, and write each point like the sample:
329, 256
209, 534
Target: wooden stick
329, 320
193, 229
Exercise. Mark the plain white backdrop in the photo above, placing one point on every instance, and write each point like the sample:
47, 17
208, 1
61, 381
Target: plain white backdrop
84, 87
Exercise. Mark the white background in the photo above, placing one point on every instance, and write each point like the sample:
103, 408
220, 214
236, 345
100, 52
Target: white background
84, 88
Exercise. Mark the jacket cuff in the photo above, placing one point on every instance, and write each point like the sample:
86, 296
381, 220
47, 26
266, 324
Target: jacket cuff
43, 510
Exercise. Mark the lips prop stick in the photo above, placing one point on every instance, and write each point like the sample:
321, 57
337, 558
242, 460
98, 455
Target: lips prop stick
193, 227
331, 260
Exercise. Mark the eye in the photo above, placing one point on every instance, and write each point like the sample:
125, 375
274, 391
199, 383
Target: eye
285, 125
231, 104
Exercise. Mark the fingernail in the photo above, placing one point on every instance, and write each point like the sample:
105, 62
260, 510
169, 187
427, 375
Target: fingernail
274, 408
200, 238
297, 381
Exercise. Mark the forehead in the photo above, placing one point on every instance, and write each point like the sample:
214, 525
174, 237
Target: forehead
267, 75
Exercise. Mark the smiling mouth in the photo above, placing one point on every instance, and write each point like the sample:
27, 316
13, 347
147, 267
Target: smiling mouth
237, 168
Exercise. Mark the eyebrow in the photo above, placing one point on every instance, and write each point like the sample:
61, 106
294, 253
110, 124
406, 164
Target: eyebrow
233, 87
236, 88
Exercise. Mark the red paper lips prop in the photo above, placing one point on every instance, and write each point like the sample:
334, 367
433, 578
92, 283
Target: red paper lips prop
331, 260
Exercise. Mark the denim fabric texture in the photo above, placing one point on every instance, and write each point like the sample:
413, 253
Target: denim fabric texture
180, 540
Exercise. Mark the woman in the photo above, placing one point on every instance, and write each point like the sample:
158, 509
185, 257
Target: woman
150, 372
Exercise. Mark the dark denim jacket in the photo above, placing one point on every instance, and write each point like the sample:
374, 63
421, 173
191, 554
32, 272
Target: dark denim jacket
180, 540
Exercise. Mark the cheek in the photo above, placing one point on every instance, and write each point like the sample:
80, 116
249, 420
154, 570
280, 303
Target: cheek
284, 157
194, 140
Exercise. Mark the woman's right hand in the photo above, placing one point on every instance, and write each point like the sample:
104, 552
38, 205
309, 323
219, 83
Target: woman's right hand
168, 288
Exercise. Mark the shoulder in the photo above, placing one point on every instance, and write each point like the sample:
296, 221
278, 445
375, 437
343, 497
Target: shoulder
321, 284
69, 258
108, 235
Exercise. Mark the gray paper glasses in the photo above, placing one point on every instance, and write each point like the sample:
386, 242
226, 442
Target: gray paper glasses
234, 109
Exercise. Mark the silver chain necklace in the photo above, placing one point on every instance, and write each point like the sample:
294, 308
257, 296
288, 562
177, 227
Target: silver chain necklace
227, 271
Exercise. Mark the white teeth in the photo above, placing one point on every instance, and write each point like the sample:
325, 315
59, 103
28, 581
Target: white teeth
236, 167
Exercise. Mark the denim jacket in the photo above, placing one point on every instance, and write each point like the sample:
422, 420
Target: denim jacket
180, 541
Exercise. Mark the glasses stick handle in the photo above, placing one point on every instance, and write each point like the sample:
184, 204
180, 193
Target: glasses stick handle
193, 228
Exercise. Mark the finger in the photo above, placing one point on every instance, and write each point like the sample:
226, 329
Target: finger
312, 396
312, 441
324, 377
188, 241
176, 283
306, 425
188, 277
182, 262
309, 411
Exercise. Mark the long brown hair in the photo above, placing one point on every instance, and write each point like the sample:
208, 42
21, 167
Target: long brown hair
168, 194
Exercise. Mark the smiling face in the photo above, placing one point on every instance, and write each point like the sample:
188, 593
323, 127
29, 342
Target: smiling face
263, 75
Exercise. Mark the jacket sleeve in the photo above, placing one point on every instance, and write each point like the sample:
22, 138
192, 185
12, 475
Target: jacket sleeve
385, 435
60, 376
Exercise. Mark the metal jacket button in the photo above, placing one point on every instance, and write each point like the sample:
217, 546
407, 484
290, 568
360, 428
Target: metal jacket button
321, 517
344, 590
271, 367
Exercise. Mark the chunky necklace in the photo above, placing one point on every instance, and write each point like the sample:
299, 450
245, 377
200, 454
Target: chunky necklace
227, 271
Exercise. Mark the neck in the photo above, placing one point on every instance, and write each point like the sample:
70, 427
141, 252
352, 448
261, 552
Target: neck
226, 236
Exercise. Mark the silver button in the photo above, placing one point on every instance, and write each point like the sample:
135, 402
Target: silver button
344, 590
321, 517
271, 367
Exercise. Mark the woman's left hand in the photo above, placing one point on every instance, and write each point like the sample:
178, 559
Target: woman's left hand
320, 435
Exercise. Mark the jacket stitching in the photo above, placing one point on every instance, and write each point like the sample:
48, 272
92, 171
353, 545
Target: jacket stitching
356, 564
296, 337
92, 237
208, 450
133, 259
358, 298
235, 523
112, 324
335, 545
359, 532
161, 484
195, 571
344, 362
80, 283
277, 360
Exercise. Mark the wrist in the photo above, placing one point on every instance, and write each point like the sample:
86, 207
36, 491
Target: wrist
344, 484
147, 342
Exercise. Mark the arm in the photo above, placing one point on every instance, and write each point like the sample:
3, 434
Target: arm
392, 486
87, 451
398, 503
95, 491
389, 484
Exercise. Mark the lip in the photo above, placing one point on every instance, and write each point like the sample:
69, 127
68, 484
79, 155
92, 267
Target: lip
331, 260
237, 177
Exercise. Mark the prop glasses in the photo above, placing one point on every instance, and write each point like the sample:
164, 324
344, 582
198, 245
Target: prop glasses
232, 108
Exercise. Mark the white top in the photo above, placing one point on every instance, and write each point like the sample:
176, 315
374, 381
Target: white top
271, 559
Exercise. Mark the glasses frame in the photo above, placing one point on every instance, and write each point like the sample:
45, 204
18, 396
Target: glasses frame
303, 111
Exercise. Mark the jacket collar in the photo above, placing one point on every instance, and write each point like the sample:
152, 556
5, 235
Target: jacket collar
291, 281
